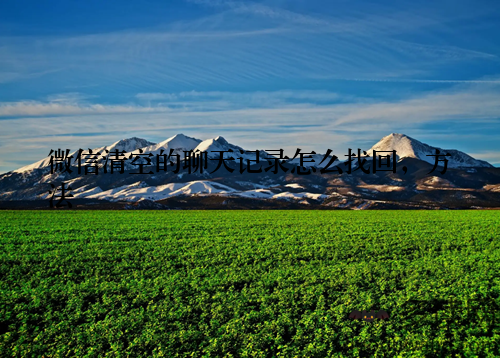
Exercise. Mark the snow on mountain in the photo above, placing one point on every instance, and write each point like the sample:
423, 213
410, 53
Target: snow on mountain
82, 192
37, 165
294, 186
87, 192
268, 194
297, 196
220, 144
257, 194
179, 143
127, 145
407, 147
140, 190
30, 181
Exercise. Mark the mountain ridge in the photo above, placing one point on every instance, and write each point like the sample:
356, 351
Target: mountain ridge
405, 146
468, 182
408, 147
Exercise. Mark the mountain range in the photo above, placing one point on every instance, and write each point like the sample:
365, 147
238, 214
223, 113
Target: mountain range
467, 182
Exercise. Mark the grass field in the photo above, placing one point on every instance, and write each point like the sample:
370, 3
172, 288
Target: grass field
249, 283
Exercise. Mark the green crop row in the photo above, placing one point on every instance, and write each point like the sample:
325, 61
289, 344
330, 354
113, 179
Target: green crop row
249, 283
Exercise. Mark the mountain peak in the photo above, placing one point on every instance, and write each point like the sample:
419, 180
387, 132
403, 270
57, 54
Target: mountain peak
130, 144
131, 140
407, 147
396, 135
134, 138
221, 140
219, 143
127, 145
180, 141
404, 145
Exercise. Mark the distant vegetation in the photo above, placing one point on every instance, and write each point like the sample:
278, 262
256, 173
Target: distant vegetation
249, 283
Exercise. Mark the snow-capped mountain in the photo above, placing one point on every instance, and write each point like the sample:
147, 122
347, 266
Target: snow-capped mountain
179, 143
127, 145
220, 144
407, 147
140, 191
216, 144
472, 182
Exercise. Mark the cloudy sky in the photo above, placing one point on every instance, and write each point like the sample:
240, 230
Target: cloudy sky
264, 74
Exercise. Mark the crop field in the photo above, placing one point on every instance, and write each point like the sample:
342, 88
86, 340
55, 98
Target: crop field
249, 283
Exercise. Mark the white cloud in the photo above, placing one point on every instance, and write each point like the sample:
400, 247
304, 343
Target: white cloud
252, 118
489, 156
58, 108
242, 99
472, 102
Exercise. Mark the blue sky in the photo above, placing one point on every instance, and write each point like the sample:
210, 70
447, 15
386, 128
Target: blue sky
296, 73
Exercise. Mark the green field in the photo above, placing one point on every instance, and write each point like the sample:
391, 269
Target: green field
249, 283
